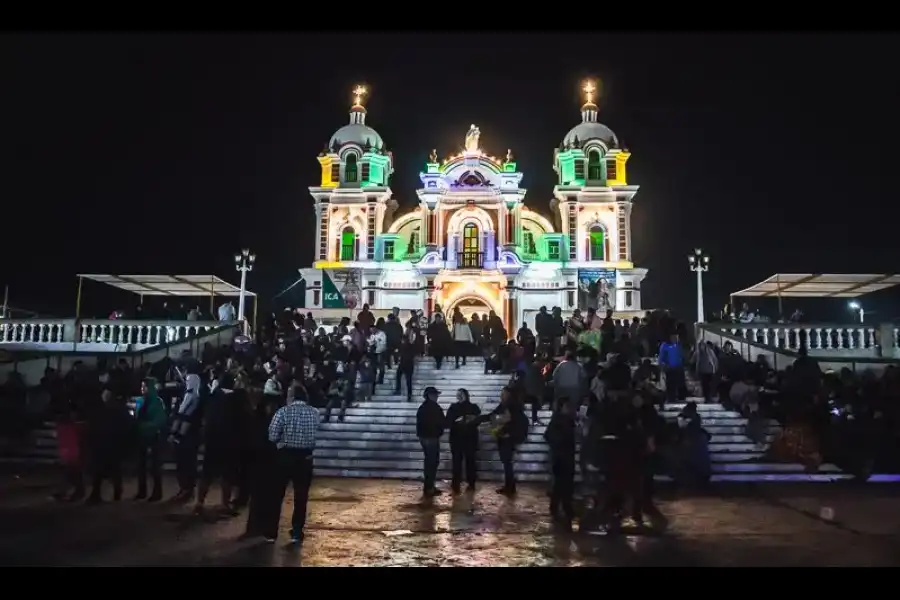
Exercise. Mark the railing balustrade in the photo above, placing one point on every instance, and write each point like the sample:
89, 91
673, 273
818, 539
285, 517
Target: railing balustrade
99, 331
469, 260
816, 337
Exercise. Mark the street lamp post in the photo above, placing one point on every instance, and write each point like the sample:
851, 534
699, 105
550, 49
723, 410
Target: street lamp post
243, 262
699, 264
857, 307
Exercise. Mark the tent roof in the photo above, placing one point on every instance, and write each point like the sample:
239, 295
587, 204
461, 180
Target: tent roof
817, 285
170, 285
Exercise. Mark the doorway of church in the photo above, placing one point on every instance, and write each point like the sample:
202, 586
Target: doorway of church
468, 307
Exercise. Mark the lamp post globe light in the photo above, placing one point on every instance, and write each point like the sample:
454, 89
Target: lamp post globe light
243, 262
857, 307
699, 264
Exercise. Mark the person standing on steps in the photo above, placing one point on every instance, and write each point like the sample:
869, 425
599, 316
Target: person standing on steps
151, 423
439, 339
407, 363
393, 331
462, 336
706, 365
379, 343
293, 430
510, 427
462, 420
430, 422
671, 359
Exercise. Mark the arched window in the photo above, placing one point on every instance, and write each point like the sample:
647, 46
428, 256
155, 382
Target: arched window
350, 173
595, 166
597, 243
348, 244
471, 256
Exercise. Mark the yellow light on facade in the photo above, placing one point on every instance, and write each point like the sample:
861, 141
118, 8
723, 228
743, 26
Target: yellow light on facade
358, 93
328, 264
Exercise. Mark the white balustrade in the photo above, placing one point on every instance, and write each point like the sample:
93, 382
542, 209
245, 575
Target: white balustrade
856, 339
49, 333
34, 331
144, 333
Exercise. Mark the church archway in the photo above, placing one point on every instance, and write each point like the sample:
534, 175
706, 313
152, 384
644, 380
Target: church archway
470, 214
469, 304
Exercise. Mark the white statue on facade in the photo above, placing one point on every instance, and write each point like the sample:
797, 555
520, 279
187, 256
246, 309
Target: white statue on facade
472, 139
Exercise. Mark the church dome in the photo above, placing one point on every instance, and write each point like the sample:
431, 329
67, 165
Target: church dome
590, 129
357, 132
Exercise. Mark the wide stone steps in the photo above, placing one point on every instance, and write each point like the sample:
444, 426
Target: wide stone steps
377, 438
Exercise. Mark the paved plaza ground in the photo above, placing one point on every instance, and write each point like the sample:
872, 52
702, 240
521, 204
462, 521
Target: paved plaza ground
385, 523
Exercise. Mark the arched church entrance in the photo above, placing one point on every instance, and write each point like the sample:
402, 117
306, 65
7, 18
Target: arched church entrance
468, 306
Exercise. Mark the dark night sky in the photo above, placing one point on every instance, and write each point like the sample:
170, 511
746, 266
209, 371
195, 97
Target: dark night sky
167, 153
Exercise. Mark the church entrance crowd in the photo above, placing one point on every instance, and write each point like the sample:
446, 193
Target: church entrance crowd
254, 409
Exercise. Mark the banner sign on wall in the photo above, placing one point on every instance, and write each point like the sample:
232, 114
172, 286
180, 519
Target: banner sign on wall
596, 289
340, 288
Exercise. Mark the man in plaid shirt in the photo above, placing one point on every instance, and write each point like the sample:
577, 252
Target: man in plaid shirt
293, 430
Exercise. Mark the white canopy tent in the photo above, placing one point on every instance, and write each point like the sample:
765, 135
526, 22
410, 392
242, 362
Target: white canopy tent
168, 285
818, 285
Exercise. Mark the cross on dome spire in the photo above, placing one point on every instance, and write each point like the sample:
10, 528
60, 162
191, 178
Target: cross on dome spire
358, 93
589, 109
358, 111
589, 89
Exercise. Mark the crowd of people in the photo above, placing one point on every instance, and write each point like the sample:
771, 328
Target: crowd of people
846, 418
253, 407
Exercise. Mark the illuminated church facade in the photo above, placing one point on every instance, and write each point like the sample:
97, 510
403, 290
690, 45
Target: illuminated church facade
472, 242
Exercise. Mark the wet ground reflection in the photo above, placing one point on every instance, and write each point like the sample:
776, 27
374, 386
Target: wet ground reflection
386, 523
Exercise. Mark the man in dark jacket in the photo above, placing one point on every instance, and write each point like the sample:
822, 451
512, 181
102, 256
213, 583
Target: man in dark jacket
461, 418
407, 364
510, 429
393, 330
543, 325
430, 424
221, 442
109, 430
439, 340
560, 436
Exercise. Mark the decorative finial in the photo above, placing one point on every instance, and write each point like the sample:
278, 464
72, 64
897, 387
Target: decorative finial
589, 89
358, 93
432, 158
509, 155
472, 139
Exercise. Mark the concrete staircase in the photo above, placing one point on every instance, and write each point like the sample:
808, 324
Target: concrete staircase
378, 440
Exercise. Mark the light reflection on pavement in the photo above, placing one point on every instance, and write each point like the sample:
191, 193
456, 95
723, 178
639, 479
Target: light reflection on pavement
385, 523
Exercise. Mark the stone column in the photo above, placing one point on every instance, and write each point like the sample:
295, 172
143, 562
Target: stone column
511, 324
452, 243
